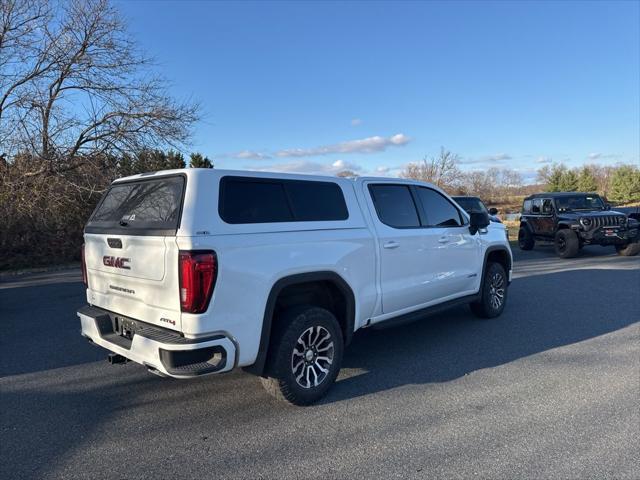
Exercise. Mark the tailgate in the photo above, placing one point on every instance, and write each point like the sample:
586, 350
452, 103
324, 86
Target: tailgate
138, 280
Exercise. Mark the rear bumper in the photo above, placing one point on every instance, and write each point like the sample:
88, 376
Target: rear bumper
163, 351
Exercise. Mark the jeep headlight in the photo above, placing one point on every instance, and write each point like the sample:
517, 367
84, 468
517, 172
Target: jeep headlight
585, 222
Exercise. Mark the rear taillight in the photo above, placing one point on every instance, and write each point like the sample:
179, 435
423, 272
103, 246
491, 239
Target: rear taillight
84, 267
198, 270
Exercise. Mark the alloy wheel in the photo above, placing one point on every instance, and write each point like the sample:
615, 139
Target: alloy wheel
496, 291
312, 357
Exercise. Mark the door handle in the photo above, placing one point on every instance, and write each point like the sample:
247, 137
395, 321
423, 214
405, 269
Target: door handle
443, 240
391, 244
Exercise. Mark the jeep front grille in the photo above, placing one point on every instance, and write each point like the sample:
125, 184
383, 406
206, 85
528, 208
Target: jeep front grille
607, 221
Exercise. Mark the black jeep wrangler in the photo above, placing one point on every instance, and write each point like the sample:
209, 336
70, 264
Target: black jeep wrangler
572, 220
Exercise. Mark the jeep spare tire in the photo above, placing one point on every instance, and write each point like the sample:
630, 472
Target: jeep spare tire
566, 243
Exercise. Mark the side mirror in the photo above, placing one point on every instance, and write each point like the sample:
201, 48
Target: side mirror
535, 209
607, 206
493, 211
478, 220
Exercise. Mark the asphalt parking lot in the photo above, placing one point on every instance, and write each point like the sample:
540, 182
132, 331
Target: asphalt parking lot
549, 390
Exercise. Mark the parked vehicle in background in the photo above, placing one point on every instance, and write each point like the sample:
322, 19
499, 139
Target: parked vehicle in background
191, 272
474, 204
572, 220
631, 212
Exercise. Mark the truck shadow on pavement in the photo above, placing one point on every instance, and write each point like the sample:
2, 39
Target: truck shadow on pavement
543, 312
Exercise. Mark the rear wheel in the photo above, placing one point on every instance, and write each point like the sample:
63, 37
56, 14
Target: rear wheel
628, 249
493, 297
566, 243
305, 355
525, 238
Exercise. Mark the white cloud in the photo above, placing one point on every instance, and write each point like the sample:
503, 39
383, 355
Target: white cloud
382, 170
603, 156
310, 167
488, 159
544, 160
500, 157
356, 121
248, 154
365, 145
244, 155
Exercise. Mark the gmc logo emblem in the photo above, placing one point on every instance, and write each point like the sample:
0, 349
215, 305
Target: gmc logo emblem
116, 262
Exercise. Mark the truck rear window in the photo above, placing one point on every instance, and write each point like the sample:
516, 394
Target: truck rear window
150, 207
263, 200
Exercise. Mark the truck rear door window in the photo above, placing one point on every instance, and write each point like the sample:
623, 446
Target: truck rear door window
394, 205
150, 207
263, 200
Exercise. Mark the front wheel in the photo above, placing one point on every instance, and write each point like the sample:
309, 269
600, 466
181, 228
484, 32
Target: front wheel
566, 243
628, 249
305, 355
493, 296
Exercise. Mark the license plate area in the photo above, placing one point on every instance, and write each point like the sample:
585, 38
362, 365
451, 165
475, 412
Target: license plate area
610, 232
124, 327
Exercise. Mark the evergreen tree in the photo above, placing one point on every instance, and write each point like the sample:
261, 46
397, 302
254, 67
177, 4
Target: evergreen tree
555, 176
569, 181
625, 184
587, 180
198, 161
149, 161
174, 160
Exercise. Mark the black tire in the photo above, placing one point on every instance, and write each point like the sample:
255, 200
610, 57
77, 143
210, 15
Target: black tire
525, 238
629, 249
493, 298
283, 381
566, 243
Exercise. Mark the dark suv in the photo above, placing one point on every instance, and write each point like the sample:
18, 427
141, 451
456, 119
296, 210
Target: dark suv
572, 220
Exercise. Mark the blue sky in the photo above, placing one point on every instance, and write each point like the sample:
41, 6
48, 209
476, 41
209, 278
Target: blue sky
371, 86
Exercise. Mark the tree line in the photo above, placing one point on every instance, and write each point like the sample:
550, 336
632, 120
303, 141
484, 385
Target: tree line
619, 183
493, 185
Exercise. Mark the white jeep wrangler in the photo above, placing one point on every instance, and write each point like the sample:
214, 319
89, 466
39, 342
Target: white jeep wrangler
199, 271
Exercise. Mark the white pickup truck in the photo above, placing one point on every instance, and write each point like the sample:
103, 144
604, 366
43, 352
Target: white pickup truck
199, 271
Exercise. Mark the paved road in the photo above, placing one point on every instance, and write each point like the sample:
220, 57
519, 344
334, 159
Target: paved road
549, 390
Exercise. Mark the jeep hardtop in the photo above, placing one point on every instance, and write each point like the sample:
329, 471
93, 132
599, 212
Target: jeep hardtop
199, 271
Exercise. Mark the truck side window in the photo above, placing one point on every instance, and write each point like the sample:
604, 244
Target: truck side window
547, 206
526, 208
440, 212
259, 200
394, 205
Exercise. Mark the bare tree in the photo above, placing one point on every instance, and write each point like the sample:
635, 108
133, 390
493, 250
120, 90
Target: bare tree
74, 86
346, 173
442, 170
